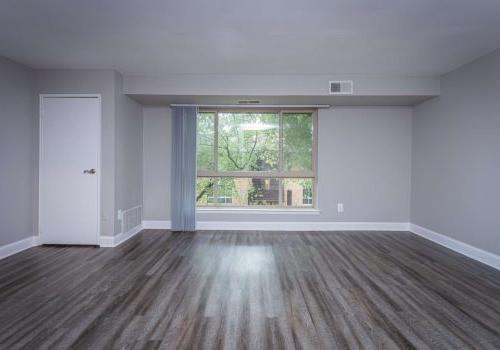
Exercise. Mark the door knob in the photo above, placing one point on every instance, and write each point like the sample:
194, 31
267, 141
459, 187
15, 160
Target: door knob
89, 171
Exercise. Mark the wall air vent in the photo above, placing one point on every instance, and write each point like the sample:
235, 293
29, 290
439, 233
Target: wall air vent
248, 102
341, 87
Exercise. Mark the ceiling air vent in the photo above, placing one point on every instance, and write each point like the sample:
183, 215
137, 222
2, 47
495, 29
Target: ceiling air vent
248, 102
341, 87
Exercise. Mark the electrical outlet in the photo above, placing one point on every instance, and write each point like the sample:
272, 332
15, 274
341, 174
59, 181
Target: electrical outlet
340, 207
120, 214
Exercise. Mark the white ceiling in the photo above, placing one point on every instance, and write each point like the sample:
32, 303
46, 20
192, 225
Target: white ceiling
151, 37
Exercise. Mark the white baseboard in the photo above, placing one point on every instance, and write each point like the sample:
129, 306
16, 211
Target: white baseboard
18, 246
458, 246
302, 226
157, 224
113, 241
106, 241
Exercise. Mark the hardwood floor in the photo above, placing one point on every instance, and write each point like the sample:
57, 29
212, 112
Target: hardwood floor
255, 290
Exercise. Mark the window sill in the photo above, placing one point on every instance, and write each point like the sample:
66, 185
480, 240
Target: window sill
275, 211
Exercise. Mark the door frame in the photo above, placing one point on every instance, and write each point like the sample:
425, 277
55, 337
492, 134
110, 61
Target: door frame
99, 159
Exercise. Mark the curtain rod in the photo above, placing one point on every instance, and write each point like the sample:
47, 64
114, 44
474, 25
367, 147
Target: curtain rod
247, 106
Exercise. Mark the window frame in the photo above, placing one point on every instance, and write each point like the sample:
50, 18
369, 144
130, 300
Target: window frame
279, 174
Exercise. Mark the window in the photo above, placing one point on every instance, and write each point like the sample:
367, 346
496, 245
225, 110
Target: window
253, 158
307, 196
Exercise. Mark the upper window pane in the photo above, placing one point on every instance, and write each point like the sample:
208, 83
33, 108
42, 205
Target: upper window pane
248, 141
205, 140
297, 141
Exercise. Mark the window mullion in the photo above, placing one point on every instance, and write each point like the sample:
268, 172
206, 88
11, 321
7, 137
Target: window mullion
280, 192
215, 192
280, 157
280, 143
315, 144
216, 141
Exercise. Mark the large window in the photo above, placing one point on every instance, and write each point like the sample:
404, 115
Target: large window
253, 158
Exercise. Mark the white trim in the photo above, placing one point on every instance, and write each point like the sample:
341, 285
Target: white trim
113, 241
279, 211
106, 241
71, 95
302, 226
478, 254
99, 157
157, 224
18, 246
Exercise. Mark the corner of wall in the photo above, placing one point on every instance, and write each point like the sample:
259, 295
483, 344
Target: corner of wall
410, 205
128, 152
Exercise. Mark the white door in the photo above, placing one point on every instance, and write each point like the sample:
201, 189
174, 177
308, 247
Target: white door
69, 169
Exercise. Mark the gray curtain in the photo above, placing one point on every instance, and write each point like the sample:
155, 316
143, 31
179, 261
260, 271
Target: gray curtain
183, 186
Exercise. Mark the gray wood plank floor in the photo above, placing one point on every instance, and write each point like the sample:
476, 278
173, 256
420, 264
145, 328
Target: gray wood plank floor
250, 290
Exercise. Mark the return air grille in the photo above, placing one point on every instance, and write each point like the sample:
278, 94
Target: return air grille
248, 102
130, 218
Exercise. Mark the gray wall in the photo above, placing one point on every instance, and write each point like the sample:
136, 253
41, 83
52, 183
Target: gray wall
92, 82
156, 160
456, 156
121, 148
363, 161
18, 156
276, 85
128, 152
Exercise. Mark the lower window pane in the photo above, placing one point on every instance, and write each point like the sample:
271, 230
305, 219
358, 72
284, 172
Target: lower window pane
263, 191
297, 192
215, 191
255, 192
